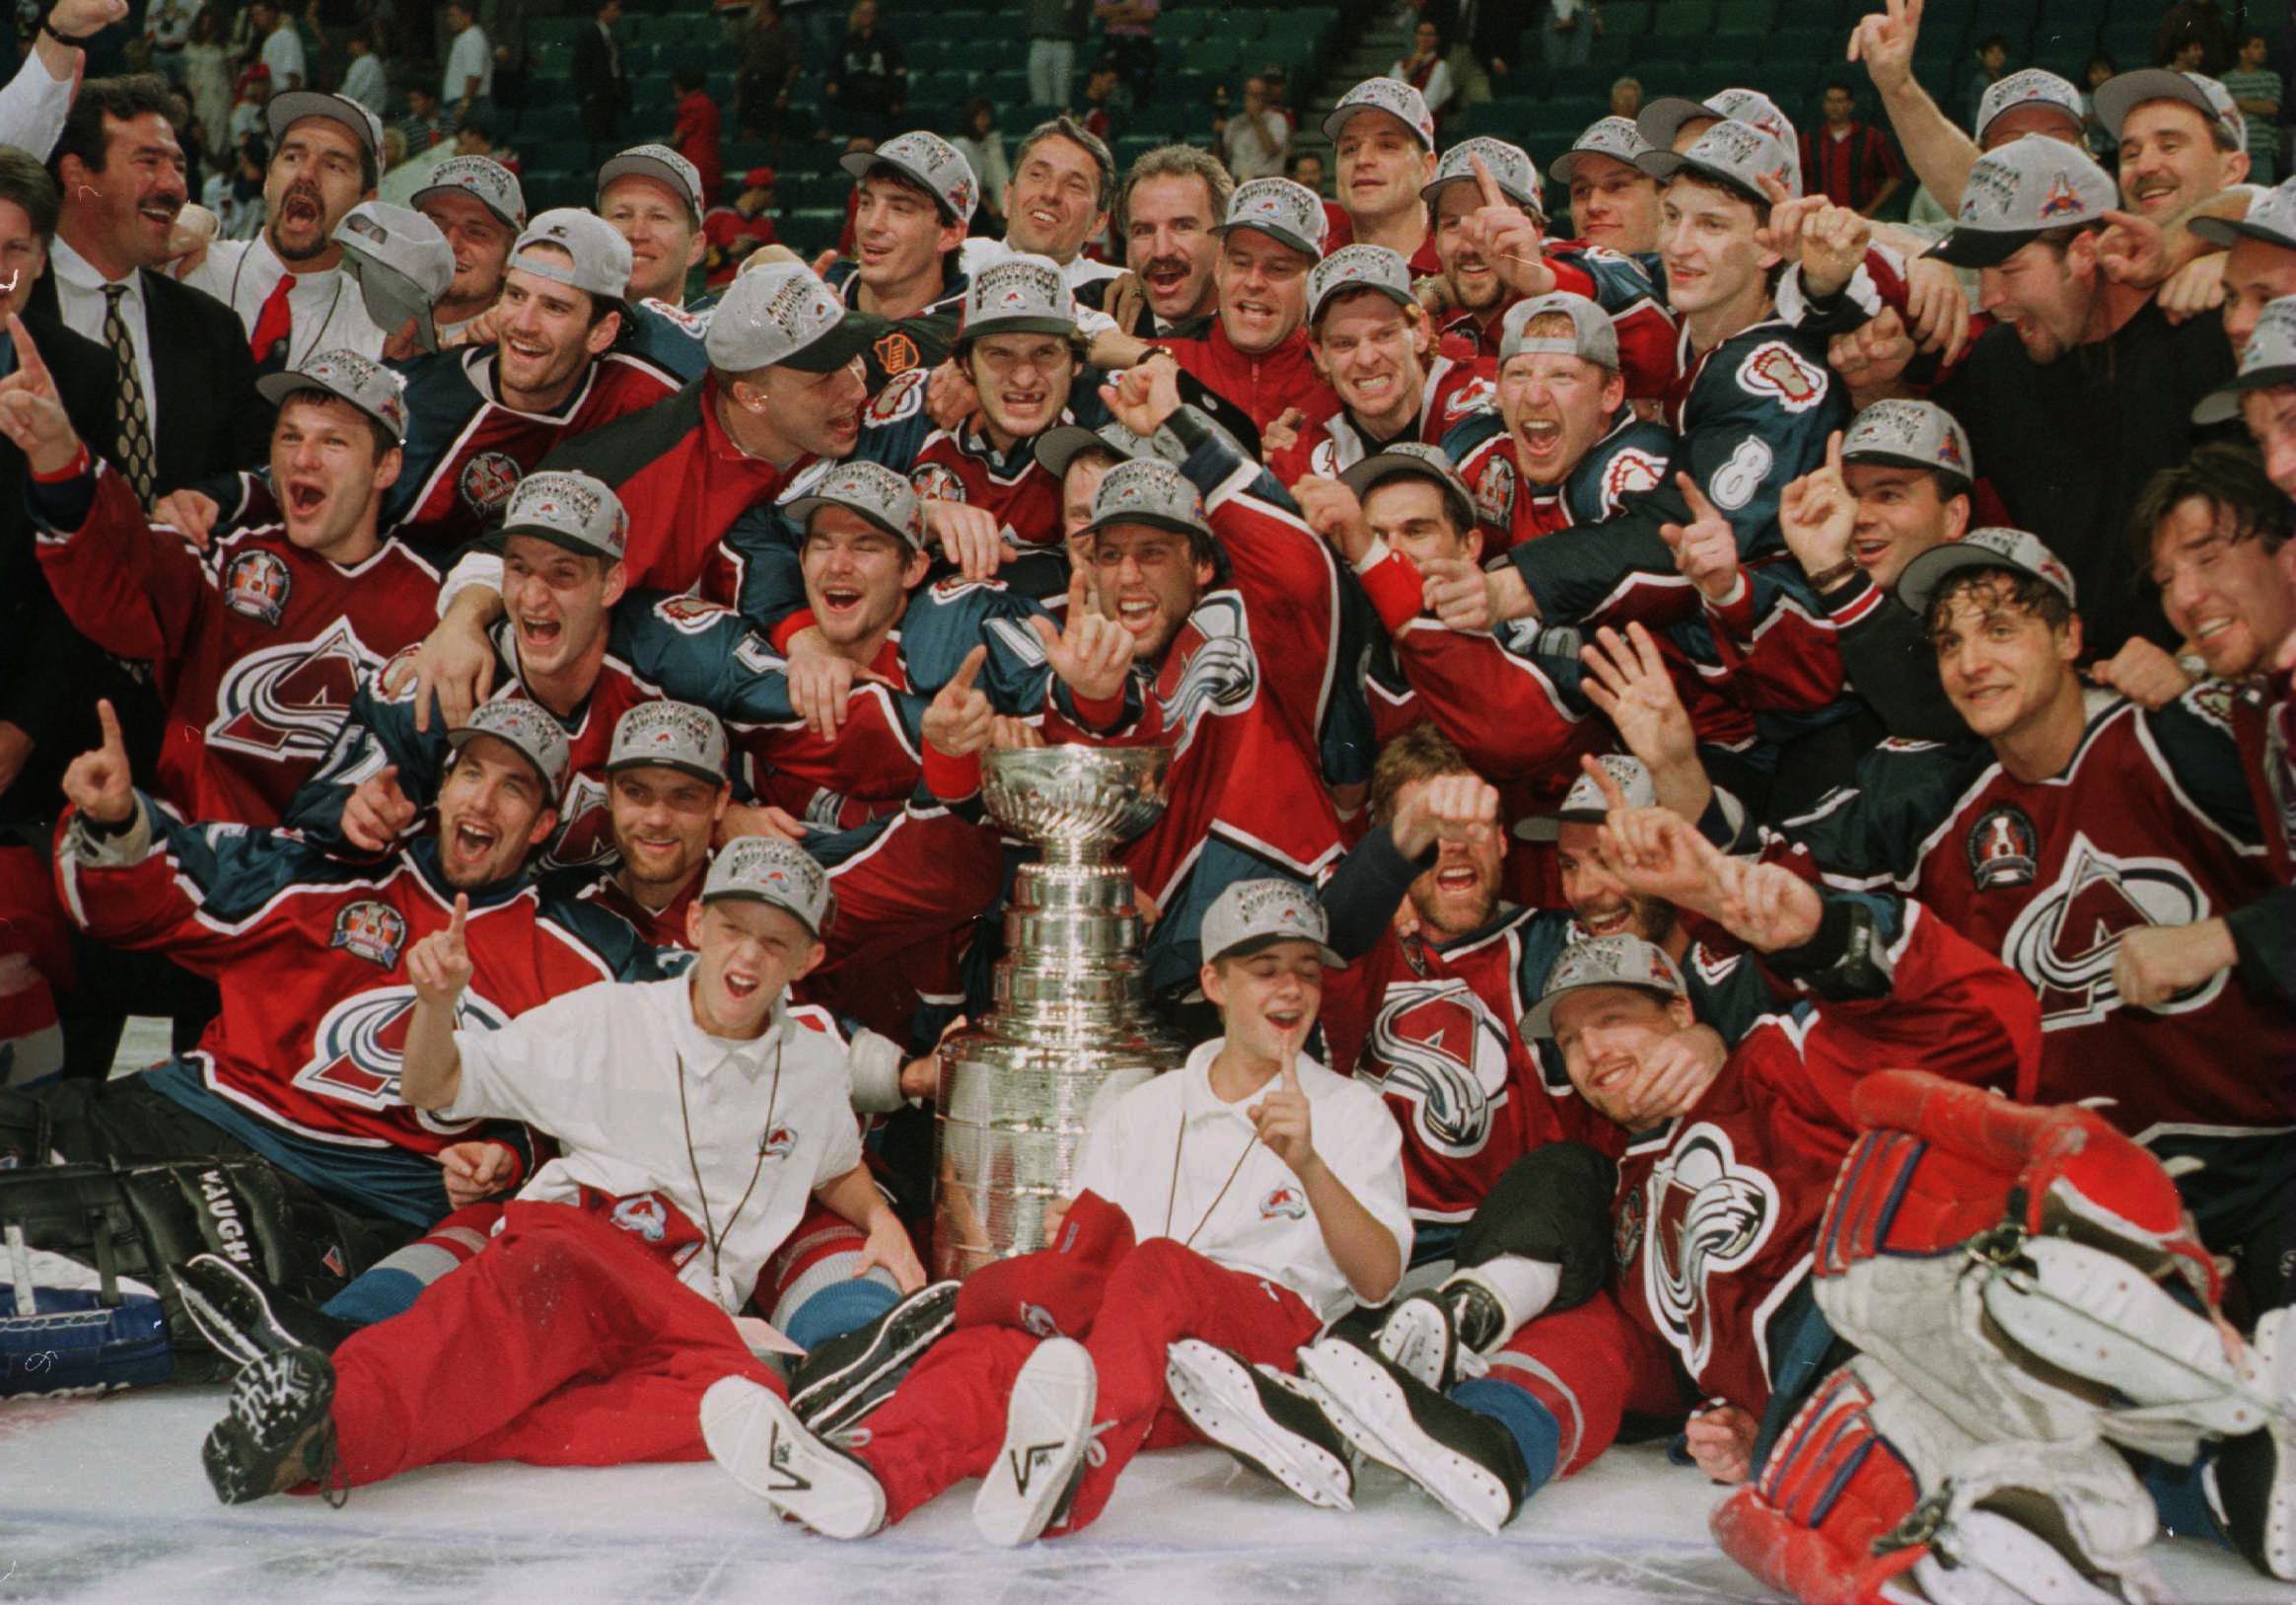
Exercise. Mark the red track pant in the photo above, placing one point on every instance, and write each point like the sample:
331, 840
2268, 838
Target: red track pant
1589, 1365
563, 1342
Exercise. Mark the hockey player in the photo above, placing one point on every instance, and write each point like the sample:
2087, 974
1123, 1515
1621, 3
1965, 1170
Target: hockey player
477, 204
1383, 141
1613, 203
652, 195
666, 793
1673, 122
1293, 1211
590, 1326
915, 196
1255, 354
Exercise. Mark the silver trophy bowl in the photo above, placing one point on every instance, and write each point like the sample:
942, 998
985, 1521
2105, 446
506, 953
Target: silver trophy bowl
1069, 1028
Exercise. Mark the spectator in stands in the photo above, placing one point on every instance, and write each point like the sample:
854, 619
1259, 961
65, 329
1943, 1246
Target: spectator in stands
869, 84
423, 125
1255, 140
733, 232
2101, 69
470, 76
695, 135
248, 94
1625, 97
207, 82
599, 84
1853, 163
1174, 199
770, 59
1130, 28
474, 136
979, 142
1992, 62
1424, 69
168, 29
1054, 28
1487, 35
1571, 26
2192, 25
2255, 88
1099, 114
363, 80
280, 47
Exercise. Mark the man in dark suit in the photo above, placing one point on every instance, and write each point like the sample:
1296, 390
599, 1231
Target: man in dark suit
599, 81
188, 382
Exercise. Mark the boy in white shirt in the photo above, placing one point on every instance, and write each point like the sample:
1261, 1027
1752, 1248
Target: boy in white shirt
1244, 1201
697, 1120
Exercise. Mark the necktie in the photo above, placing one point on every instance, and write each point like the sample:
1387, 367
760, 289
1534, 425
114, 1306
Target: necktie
129, 412
273, 321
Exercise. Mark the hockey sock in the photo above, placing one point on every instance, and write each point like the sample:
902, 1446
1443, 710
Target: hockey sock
840, 1308
1534, 1426
1523, 1287
397, 1279
2182, 1496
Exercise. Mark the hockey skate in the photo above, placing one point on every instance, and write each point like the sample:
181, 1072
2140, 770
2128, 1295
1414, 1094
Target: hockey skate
279, 1433
846, 1377
757, 1438
1428, 1332
2256, 1474
1048, 1441
1465, 1462
1267, 1420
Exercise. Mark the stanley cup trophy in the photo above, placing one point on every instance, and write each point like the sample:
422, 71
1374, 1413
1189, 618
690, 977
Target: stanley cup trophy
1070, 1025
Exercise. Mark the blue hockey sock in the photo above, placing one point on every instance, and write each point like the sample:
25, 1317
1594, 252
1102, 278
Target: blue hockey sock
2181, 1494
378, 1295
840, 1308
1536, 1430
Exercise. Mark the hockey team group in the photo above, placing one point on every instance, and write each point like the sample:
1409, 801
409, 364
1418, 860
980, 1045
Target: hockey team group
1726, 848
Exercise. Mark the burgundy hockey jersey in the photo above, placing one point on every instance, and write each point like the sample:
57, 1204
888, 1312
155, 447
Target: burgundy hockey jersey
961, 465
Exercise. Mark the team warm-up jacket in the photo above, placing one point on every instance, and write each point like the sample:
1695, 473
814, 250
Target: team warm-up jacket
921, 340
1261, 386
1458, 386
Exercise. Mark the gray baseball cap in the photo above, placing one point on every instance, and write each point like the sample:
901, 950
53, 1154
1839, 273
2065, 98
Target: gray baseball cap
781, 315
1615, 137
1510, 165
290, 106
1996, 548
1603, 961
1062, 444
1248, 915
377, 390
2267, 362
402, 265
2034, 86
570, 510
1393, 95
1592, 335
1148, 490
1910, 434
1359, 267
2019, 190
1018, 294
1585, 804
933, 162
1736, 155
672, 735
768, 869
495, 185
2271, 218
2118, 95
877, 493
526, 726
1416, 460
662, 165
1289, 213
599, 261
1659, 120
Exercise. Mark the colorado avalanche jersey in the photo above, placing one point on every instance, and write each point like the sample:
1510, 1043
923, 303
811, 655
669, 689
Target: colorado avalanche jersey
1620, 286
1458, 386
1626, 462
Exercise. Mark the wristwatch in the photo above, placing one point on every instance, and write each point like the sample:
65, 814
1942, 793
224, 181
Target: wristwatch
76, 41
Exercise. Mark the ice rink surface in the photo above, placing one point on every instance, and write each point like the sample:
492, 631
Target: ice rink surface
105, 1499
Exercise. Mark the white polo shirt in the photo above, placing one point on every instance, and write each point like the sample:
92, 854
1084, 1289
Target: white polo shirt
598, 1071
1262, 1225
326, 309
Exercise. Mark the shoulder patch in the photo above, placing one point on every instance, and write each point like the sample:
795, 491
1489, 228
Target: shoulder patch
690, 614
692, 323
756, 654
256, 584
1477, 394
950, 587
904, 397
2212, 699
1905, 744
1774, 369
1733, 485
896, 353
937, 482
1630, 472
404, 655
1494, 491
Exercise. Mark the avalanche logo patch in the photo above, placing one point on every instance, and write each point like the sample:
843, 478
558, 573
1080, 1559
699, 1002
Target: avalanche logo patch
1435, 1047
374, 932
256, 586
644, 1216
2004, 849
778, 1143
1776, 370
692, 615
1630, 472
1285, 1203
936, 482
2066, 939
356, 1051
586, 829
1708, 1214
901, 398
288, 702
1476, 396
1494, 492
486, 481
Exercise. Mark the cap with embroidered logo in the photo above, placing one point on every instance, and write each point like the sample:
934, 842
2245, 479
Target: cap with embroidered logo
372, 389
2122, 94
1735, 155
402, 263
1248, 915
1926, 575
1393, 95
1910, 434
571, 510
1064, 443
2022, 190
526, 727
1359, 267
874, 491
930, 160
1018, 294
1615, 137
1413, 460
2272, 219
1288, 213
672, 735
1661, 120
781, 315
1592, 336
290, 106
596, 256
768, 869
495, 185
1147, 490
2033, 86
1510, 165
1603, 961
2267, 362
1585, 804
662, 165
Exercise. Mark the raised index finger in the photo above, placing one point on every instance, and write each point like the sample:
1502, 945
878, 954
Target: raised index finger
1833, 451
27, 355
1695, 499
1493, 194
109, 720
459, 916
969, 669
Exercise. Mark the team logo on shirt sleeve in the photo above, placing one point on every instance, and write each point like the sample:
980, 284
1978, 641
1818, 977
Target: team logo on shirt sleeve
2004, 848
1628, 472
1284, 1202
936, 482
374, 932
1776, 370
901, 397
255, 585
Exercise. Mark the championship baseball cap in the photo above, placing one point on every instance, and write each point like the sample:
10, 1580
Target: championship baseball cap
2268, 362
600, 258
933, 162
782, 315
1393, 95
1018, 294
1926, 574
524, 726
1359, 267
1147, 490
768, 869
758, 177
672, 735
2271, 218
1910, 434
1662, 118
1736, 155
1604, 961
1062, 444
662, 165
2019, 190
1248, 915
290, 106
1615, 137
2118, 95
1509, 164
875, 492
495, 185
1416, 460
402, 263
2033, 86
571, 510
1585, 804
366, 384
1591, 335
1288, 213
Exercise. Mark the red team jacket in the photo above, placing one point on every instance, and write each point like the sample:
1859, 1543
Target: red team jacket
1261, 386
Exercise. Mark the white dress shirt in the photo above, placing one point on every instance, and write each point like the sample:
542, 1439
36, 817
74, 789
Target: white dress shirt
979, 251
468, 57
1137, 1157
599, 1071
80, 299
327, 313
34, 106
363, 82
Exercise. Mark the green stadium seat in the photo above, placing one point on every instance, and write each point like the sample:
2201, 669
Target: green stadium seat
1682, 22
1752, 17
